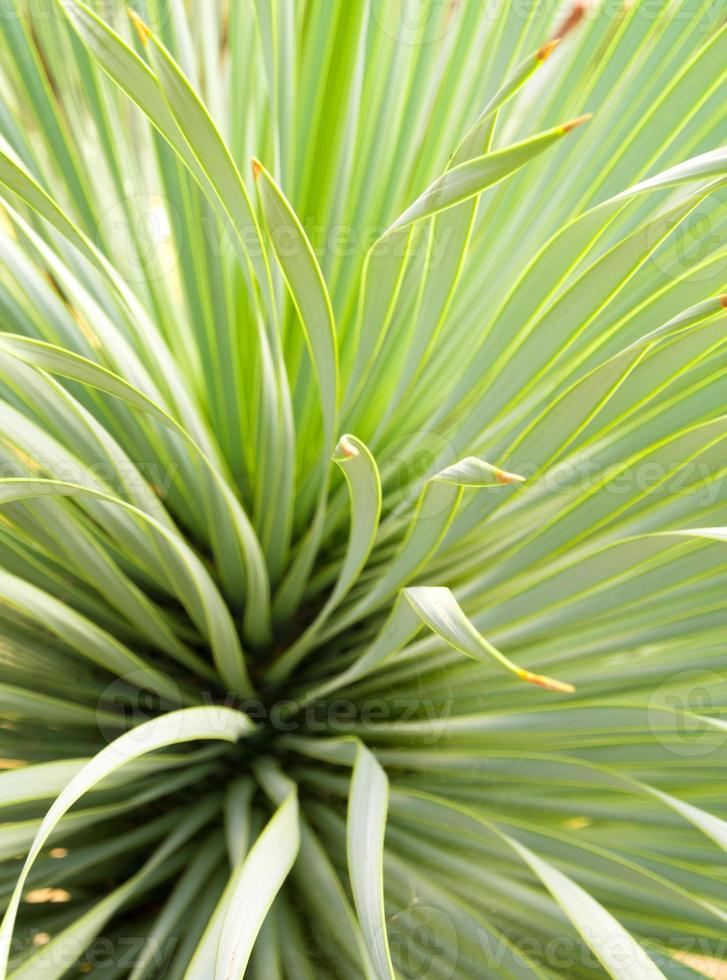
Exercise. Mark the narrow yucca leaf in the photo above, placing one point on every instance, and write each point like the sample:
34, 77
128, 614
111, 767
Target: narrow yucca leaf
473, 177
80, 633
430, 264
313, 306
254, 885
367, 808
559, 423
257, 616
21, 184
196, 589
220, 179
618, 952
63, 949
180, 902
443, 264
308, 291
480, 134
190, 724
167, 104
364, 485
436, 507
205, 142
69, 365
441, 612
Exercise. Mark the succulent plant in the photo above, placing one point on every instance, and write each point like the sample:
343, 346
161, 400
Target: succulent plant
363, 516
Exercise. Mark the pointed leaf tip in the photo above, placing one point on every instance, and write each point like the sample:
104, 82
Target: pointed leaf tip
579, 121
257, 168
577, 12
543, 53
502, 476
549, 683
140, 27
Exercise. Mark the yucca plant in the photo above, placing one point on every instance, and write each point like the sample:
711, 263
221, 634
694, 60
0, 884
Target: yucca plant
351, 392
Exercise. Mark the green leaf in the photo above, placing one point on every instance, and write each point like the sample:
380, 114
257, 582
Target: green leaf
309, 293
435, 509
179, 904
254, 886
69, 365
177, 727
367, 809
57, 957
80, 633
194, 584
364, 487
615, 948
617, 951
444, 616
473, 177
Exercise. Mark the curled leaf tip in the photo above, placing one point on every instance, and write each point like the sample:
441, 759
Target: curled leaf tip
503, 476
543, 53
257, 168
549, 683
346, 448
139, 26
579, 121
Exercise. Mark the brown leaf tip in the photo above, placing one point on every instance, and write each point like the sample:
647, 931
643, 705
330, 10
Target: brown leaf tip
549, 683
257, 168
723, 300
542, 54
577, 12
140, 27
574, 123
